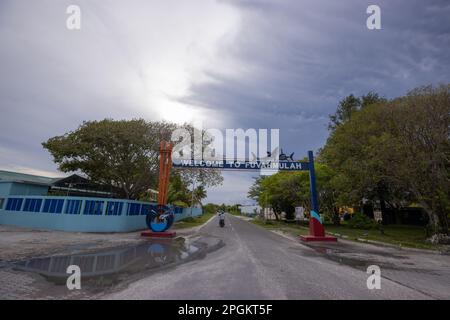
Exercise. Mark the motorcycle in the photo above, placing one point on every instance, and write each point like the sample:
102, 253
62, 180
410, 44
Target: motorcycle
222, 223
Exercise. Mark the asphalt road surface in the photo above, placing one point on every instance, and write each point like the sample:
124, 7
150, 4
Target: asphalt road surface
258, 264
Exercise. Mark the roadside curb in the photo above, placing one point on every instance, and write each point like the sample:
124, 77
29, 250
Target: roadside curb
191, 231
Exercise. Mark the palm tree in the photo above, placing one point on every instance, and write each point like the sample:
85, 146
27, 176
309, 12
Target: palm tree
199, 194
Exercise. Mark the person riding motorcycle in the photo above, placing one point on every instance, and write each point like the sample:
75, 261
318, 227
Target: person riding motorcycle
221, 218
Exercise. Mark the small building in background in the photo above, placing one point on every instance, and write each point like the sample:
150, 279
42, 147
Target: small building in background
74, 203
15, 183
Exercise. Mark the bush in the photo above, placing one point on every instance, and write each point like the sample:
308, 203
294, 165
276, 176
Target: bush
327, 218
361, 221
439, 239
290, 215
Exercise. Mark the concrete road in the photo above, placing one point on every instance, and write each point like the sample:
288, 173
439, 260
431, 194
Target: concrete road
258, 264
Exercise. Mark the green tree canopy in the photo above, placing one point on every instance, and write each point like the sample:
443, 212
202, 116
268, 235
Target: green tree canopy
120, 153
350, 105
125, 154
397, 151
284, 191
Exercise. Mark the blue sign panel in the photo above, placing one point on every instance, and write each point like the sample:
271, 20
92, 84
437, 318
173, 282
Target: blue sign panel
242, 165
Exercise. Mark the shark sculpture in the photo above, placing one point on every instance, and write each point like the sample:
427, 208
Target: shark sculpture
285, 157
282, 156
267, 158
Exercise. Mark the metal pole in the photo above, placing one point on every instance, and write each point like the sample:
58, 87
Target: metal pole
312, 181
316, 229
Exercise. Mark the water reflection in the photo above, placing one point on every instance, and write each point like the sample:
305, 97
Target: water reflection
107, 267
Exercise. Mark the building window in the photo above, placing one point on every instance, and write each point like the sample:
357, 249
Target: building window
53, 205
93, 207
14, 204
178, 210
32, 205
146, 208
73, 206
134, 209
1, 203
114, 208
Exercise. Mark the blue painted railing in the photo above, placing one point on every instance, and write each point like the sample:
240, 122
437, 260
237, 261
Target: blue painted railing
81, 214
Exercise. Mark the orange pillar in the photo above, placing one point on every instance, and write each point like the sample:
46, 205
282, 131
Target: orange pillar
165, 165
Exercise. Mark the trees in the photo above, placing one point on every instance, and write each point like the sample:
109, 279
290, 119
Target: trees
397, 151
179, 193
421, 163
358, 175
194, 176
284, 191
198, 194
197, 178
349, 151
125, 154
205, 178
345, 109
350, 105
120, 153
272, 193
210, 208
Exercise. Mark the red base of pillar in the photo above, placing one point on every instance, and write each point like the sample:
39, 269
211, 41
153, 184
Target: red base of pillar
318, 238
165, 234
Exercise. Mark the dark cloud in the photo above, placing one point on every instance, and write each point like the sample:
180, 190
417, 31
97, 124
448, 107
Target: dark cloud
302, 57
249, 64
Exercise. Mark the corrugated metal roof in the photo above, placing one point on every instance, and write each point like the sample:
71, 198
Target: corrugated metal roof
23, 177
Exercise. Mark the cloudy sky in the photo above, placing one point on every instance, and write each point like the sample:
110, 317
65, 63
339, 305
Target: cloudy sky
233, 64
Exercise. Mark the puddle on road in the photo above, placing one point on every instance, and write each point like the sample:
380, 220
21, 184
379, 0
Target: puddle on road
358, 260
107, 268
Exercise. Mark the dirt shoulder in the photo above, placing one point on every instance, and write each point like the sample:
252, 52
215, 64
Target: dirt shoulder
20, 243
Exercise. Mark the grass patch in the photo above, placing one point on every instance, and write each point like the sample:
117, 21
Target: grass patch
193, 222
400, 235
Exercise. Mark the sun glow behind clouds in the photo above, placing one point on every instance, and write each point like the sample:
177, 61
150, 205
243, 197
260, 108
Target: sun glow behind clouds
130, 59
190, 42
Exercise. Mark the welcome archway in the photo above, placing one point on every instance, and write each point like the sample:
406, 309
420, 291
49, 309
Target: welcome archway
161, 220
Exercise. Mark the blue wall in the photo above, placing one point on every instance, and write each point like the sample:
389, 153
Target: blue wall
80, 214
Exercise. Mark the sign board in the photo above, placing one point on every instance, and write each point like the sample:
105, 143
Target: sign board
377, 215
284, 163
299, 213
242, 165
